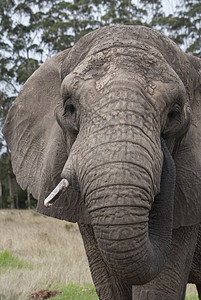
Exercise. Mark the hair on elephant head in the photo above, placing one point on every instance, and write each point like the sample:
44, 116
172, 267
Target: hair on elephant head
114, 115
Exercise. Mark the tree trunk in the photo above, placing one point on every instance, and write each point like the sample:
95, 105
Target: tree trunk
10, 184
1, 196
10, 181
16, 194
28, 199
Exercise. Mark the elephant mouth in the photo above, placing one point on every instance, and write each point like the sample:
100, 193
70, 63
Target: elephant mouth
58, 191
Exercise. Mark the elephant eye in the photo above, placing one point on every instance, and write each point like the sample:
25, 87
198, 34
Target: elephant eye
175, 112
173, 122
69, 109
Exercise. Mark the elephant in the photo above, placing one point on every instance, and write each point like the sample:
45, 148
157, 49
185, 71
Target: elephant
113, 127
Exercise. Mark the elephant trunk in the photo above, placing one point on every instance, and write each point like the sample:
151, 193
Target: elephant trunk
133, 236
118, 166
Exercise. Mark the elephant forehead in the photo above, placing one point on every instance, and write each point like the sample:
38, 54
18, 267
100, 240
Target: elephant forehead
136, 63
125, 37
102, 59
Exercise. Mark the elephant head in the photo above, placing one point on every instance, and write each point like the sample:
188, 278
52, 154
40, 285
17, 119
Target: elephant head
97, 115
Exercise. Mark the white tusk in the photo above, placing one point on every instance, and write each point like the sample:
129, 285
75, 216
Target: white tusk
59, 189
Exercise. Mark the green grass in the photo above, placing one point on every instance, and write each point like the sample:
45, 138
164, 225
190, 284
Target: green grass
8, 261
75, 292
84, 292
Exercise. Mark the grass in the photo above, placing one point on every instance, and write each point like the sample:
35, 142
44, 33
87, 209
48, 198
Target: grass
37, 252
54, 250
87, 292
76, 292
7, 261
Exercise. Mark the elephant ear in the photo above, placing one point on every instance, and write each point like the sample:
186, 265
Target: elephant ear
38, 147
187, 210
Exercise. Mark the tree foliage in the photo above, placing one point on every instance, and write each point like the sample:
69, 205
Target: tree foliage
184, 27
33, 30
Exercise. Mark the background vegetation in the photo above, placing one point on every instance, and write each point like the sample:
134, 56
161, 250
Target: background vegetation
33, 30
38, 252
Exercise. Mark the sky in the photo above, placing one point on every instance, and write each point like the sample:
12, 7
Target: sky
170, 5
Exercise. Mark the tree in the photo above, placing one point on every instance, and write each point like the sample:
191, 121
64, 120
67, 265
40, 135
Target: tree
18, 32
184, 27
125, 12
65, 22
6, 163
190, 12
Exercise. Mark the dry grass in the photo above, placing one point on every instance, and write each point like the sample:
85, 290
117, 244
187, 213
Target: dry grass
54, 248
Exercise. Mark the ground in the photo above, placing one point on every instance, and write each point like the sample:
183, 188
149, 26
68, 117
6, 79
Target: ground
47, 251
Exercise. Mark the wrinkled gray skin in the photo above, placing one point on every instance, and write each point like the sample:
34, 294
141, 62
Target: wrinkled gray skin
101, 114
